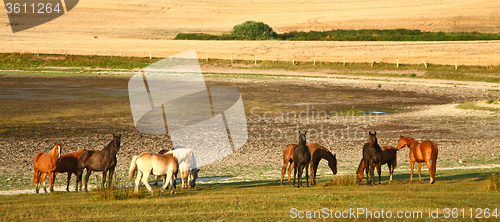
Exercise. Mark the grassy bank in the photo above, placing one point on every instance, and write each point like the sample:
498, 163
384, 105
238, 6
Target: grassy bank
31, 64
356, 35
266, 200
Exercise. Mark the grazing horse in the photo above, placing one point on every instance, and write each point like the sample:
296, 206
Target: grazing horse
325, 154
187, 166
158, 165
45, 163
69, 163
426, 151
389, 156
103, 160
301, 159
372, 155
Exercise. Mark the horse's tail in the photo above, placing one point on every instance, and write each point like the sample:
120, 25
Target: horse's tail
133, 167
35, 172
434, 160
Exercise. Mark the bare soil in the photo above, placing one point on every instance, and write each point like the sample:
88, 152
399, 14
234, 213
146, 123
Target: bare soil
83, 111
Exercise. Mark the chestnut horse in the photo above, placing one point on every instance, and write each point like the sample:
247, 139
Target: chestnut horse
45, 163
158, 165
426, 151
69, 164
103, 160
301, 159
372, 155
324, 154
389, 156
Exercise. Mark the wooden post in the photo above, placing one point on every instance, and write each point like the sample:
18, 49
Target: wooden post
150, 57
314, 61
255, 59
371, 64
231, 60
397, 63
344, 61
293, 60
206, 59
456, 64
36, 52
425, 64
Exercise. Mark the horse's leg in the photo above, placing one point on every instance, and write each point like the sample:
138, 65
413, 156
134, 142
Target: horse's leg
69, 180
52, 177
307, 175
412, 164
431, 174
391, 170
292, 166
379, 170
36, 179
104, 174
145, 177
110, 182
43, 178
419, 168
87, 176
283, 170
294, 174
371, 175
313, 174
155, 185
137, 180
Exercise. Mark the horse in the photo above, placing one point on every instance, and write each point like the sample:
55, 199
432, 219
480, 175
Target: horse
45, 163
187, 166
426, 151
324, 154
372, 155
301, 159
389, 157
103, 160
165, 176
69, 163
158, 165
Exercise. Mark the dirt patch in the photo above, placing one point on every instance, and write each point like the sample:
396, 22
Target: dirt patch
83, 111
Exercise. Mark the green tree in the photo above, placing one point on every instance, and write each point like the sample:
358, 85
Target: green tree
253, 30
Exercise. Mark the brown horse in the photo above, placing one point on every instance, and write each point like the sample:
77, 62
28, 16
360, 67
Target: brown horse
288, 158
389, 156
301, 159
426, 151
156, 164
103, 160
69, 163
45, 163
372, 155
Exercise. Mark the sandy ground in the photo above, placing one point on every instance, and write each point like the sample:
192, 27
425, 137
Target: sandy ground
132, 28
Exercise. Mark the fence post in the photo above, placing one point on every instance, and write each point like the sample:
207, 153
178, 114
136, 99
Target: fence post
425, 64
231, 60
456, 64
397, 63
206, 59
150, 55
293, 60
255, 59
371, 64
314, 61
344, 61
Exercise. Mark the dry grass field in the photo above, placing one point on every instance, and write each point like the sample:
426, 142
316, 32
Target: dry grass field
138, 28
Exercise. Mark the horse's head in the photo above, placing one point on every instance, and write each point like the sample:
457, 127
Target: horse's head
333, 164
116, 141
194, 176
57, 149
404, 141
360, 172
373, 137
302, 137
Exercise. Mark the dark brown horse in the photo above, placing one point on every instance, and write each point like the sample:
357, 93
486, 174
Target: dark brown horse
103, 160
301, 160
69, 164
323, 153
45, 164
389, 156
288, 158
372, 155
426, 151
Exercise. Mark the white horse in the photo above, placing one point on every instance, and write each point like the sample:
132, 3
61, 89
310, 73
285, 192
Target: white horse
187, 166
158, 165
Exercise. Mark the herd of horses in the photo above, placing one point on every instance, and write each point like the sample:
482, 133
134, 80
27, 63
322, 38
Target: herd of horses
166, 164
300, 156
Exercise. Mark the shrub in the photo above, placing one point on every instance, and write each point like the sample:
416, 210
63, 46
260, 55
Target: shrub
494, 182
253, 30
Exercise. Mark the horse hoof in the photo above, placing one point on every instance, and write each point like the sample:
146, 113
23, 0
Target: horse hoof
173, 192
